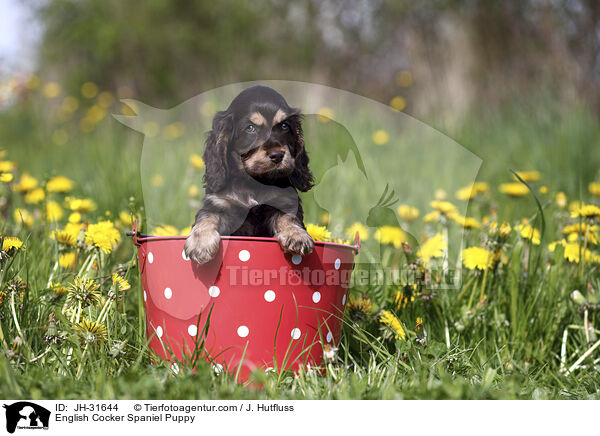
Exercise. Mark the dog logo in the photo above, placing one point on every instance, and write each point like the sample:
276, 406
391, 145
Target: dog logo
26, 415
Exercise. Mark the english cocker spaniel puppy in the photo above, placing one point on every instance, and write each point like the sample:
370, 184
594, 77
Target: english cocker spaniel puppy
255, 163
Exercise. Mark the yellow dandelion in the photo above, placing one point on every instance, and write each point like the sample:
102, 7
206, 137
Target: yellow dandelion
69, 234
431, 216
465, 222
362, 230
105, 99
514, 189
157, 180
594, 189
6, 177
504, 231
10, 243
433, 247
408, 213
120, 283
390, 235
440, 194
404, 78
574, 206
193, 191
89, 90
126, 218
173, 130
54, 212
318, 233
380, 137
561, 200
83, 205
543, 190
590, 211
325, 114
476, 258
23, 216
6, 166
471, 191
197, 162
324, 218
444, 207
398, 103
26, 183
103, 235
91, 331
573, 231
530, 233
165, 230
59, 184
529, 176
390, 320
359, 308
51, 90
58, 288
35, 196
67, 260
74, 218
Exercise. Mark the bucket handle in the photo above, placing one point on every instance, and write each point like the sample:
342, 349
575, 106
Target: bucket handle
357, 242
135, 234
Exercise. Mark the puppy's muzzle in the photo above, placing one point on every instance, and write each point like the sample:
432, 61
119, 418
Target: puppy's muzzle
276, 156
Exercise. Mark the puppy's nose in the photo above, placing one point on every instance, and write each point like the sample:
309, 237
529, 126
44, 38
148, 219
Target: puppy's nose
276, 156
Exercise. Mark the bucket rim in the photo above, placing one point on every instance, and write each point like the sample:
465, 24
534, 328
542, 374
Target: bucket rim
139, 238
145, 238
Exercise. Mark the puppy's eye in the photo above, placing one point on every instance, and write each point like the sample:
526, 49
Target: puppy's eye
250, 128
285, 126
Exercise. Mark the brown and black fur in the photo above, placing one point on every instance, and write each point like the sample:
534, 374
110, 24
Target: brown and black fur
255, 163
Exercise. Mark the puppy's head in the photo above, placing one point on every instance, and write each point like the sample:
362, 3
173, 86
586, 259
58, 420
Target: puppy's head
259, 135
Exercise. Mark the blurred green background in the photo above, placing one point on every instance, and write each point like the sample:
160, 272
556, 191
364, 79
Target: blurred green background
512, 81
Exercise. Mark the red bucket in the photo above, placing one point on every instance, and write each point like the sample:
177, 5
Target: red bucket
264, 309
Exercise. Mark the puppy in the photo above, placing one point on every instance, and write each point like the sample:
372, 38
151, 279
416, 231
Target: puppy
255, 164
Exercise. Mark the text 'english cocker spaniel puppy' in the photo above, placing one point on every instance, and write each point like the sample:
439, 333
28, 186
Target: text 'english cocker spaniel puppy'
255, 163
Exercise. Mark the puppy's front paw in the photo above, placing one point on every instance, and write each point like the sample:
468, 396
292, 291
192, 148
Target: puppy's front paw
202, 244
296, 240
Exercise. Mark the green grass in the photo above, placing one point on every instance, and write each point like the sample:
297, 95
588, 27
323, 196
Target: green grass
499, 336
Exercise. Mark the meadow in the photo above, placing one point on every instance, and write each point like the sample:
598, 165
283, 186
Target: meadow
523, 324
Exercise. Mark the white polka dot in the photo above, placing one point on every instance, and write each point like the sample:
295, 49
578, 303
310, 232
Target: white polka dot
175, 368
214, 291
270, 296
296, 333
168, 293
150, 257
244, 255
159, 331
217, 368
329, 337
296, 259
316, 297
145, 296
344, 300
337, 263
184, 256
192, 330
243, 331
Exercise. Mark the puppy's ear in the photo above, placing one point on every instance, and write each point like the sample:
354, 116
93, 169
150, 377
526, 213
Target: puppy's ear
301, 178
215, 153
